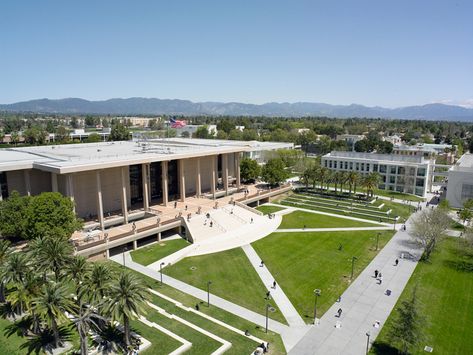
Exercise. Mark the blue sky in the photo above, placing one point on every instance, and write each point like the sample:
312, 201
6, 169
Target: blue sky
372, 52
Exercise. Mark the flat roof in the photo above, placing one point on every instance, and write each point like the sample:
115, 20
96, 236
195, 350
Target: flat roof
68, 158
388, 158
466, 161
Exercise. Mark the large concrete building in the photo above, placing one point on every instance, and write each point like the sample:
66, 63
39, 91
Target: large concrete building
460, 181
408, 174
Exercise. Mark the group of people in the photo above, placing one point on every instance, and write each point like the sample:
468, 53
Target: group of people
271, 215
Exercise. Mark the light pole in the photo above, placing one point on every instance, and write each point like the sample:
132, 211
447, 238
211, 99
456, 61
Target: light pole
208, 293
267, 317
352, 266
377, 240
124, 251
317, 294
161, 272
367, 341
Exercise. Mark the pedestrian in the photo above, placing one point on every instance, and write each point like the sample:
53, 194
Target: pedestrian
211, 224
339, 299
339, 312
380, 278
304, 226
196, 306
175, 204
268, 295
396, 262
376, 274
274, 284
340, 247
186, 207
262, 263
251, 221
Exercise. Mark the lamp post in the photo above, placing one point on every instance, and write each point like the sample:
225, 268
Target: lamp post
267, 317
316, 294
161, 272
367, 341
377, 240
208, 293
124, 251
352, 266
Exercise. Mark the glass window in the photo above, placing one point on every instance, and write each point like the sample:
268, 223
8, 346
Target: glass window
419, 182
330, 164
401, 170
325, 163
392, 170
3, 185
357, 166
392, 179
362, 166
375, 167
421, 172
346, 165
351, 165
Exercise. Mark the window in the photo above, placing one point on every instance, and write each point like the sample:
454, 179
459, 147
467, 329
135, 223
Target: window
382, 168
467, 191
420, 182
362, 166
412, 171
3, 185
357, 166
351, 165
392, 170
401, 170
421, 172
136, 183
375, 167
325, 163
392, 179
346, 165
330, 164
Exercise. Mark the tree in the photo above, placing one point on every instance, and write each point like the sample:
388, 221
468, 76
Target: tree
50, 213
62, 135
35, 135
51, 306
406, 329
51, 254
371, 182
465, 215
428, 227
13, 215
274, 172
98, 280
186, 134
352, 179
94, 138
127, 297
203, 132
324, 175
444, 204
5, 252
119, 133
249, 169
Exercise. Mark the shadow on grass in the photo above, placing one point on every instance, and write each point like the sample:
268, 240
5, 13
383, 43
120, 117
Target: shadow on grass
44, 341
459, 265
382, 348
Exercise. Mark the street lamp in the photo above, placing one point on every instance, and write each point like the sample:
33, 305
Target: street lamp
124, 251
268, 306
161, 272
352, 266
208, 293
367, 341
317, 294
377, 240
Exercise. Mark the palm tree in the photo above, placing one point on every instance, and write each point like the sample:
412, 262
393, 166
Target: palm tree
5, 252
314, 175
77, 269
343, 179
22, 294
51, 254
305, 177
127, 298
370, 182
16, 268
86, 317
352, 178
324, 174
98, 279
51, 305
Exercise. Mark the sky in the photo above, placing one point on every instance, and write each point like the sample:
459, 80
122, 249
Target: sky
371, 52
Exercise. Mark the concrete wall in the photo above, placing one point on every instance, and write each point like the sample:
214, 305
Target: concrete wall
455, 186
40, 181
16, 182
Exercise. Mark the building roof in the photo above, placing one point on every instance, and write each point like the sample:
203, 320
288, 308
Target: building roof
68, 158
466, 161
387, 158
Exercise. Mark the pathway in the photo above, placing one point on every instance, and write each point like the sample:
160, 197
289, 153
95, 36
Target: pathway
278, 296
364, 302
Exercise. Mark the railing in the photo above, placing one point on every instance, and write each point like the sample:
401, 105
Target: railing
251, 209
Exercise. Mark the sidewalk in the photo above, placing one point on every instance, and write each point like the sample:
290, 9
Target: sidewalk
364, 302
278, 296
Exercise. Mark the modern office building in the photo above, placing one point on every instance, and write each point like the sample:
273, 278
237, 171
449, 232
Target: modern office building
408, 174
428, 151
460, 181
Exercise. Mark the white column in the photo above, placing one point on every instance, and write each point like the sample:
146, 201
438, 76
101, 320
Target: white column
182, 180
70, 189
213, 178
26, 174
237, 169
54, 182
99, 200
225, 172
124, 171
144, 175
198, 187
164, 181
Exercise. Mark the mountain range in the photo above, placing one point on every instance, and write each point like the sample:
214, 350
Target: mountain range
153, 106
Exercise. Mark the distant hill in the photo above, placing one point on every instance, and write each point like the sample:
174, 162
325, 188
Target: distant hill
152, 106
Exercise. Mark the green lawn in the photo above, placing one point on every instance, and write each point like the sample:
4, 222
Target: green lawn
398, 209
398, 195
302, 262
277, 346
10, 345
298, 219
269, 209
149, 254
160, 342
233, 278
445, 295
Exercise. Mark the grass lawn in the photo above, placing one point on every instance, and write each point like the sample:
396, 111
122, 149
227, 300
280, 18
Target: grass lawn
398, 195
160, 342
398, 209
302, 262
10, 345
233, 278
445, 299
269, 209
298, 219
277, 346
149, 254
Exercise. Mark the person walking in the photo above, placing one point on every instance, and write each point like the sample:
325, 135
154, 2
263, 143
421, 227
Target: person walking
268, 295
274, 284
376, 274
262, 263
380, 278
396, 262
339, 312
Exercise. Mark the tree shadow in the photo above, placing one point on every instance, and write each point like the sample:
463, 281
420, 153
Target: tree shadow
7, 311
382, 348
459, 265
44, 341
20, 327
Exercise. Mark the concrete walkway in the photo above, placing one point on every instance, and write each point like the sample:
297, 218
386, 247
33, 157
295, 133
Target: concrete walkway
364, 303
293, 230
289, 335
278, 296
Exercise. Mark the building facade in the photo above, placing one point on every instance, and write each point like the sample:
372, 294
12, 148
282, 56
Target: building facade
460, 181
407, 174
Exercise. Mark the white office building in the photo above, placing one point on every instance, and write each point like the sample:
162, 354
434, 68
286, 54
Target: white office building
407, 174
460, 181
